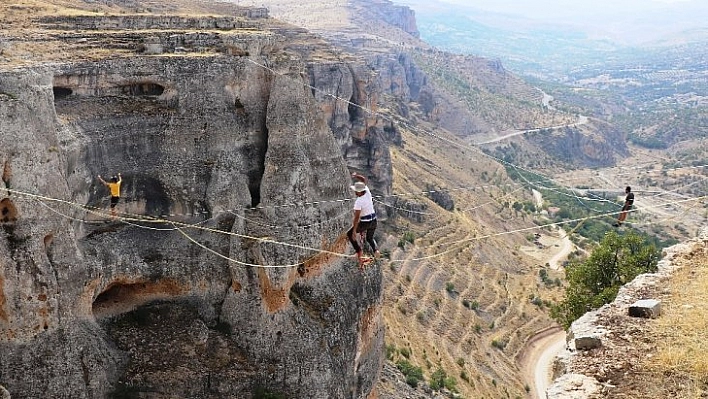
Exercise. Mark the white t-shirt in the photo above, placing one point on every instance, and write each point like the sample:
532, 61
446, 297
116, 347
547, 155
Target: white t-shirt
364, 203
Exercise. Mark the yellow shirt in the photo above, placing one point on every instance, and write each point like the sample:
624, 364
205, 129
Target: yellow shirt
115, 189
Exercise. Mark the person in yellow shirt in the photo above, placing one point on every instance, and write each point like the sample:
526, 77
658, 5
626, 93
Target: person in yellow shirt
114, 187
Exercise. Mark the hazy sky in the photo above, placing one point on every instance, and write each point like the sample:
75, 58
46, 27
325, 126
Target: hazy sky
549, 8
630, 18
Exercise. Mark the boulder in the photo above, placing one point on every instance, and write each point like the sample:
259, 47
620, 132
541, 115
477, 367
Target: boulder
573, 386
648, 308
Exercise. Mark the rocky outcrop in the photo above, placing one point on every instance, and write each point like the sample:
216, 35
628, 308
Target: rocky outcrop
350, 97
234, 156
142, 22
401, 17
597, 144
589, 332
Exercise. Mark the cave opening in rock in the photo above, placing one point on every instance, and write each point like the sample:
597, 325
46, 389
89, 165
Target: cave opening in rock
143, 89
353, 110
61, 92
255, 176
8, 211
122, 297
6, 174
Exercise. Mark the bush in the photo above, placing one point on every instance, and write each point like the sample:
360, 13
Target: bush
450, 287
440, 380
405, 352
412, 380
595, 282
499, 344
474, 305
413, 373
408, 237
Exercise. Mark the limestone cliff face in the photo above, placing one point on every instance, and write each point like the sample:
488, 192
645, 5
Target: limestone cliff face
92, 307
401, 17
350, 97
595, 145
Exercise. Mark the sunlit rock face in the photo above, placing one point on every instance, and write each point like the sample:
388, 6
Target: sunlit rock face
92, 306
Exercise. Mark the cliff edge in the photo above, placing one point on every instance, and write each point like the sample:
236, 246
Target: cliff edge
219, 276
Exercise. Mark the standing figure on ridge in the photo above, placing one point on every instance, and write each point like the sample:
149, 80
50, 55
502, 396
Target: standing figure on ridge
114, 187
628, 202
364, 220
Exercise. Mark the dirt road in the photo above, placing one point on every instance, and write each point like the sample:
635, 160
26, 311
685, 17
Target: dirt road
536, 359
566, 249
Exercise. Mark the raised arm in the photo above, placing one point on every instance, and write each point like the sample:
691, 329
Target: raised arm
120, 178
101, 179
359, 177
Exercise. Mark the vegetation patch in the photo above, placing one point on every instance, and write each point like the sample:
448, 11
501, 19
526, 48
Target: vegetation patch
594, 282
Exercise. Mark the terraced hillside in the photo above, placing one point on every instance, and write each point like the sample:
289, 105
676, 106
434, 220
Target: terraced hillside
456, 301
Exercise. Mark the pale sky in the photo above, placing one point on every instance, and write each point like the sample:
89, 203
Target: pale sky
629, 18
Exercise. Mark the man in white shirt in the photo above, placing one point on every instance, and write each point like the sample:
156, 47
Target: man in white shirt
364, 218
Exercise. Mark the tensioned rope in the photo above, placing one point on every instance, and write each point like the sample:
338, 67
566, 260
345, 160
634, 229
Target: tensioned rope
399, 120
521, 230
142, 218
181, 225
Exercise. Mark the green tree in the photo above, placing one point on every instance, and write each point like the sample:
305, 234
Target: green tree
595, 281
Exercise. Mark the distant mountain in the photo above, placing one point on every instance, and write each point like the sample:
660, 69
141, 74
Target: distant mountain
548, 49
530, 49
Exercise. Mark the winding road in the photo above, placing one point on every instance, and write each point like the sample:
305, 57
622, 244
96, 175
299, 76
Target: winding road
548, 347
582, 119
546, 101
536, 359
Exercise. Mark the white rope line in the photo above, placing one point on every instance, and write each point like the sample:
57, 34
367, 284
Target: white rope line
140, 218
521, 230
266, 240
195, 242
399, 120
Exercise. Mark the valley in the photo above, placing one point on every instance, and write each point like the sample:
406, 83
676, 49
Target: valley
486, 183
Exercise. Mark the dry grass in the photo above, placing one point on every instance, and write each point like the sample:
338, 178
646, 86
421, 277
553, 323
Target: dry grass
680, 367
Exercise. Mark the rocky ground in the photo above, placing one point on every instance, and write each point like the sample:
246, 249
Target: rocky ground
650, 358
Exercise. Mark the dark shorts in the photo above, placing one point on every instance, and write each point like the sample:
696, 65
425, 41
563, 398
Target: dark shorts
114, 201
627, 207
366, 226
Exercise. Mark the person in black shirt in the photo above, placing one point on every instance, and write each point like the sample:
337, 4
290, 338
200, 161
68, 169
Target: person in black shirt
628, 201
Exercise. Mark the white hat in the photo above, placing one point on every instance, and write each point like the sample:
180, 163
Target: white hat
358, 187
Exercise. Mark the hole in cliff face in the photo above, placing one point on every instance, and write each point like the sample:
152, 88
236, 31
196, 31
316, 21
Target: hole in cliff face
157, 202
257, 168
353, 110
173, 347
240, 109
6, 174
254, 187
8, 211
62, 92
122, 297
143, 89
48, 239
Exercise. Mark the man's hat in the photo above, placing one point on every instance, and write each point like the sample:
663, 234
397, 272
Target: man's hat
358, 187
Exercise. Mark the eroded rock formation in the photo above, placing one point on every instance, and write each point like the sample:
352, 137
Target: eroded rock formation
229, 151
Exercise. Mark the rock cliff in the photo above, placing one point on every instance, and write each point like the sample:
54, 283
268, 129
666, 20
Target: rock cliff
233, 154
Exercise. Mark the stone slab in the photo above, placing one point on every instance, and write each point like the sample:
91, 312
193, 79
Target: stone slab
587, 342
648, 308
